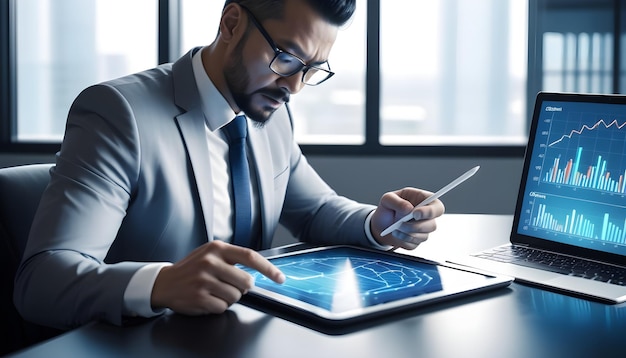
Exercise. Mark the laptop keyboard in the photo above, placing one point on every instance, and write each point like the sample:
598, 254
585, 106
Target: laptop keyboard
562, 264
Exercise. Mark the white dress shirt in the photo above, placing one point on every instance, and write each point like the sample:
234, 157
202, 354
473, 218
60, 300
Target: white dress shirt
217, 114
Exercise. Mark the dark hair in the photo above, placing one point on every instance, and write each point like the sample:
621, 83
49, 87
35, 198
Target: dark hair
336, 12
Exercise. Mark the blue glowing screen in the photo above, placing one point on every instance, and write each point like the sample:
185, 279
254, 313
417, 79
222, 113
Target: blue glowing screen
575, 187
341, 279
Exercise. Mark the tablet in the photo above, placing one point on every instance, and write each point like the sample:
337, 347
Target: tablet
345, 283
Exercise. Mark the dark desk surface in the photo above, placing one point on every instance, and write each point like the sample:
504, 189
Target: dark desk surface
517, 321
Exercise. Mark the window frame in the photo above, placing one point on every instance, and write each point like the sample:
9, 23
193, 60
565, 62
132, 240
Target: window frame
169, 43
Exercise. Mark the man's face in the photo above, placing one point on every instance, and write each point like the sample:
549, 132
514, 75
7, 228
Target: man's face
262, 101
255, 88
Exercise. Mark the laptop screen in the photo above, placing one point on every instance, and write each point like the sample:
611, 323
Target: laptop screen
574, 181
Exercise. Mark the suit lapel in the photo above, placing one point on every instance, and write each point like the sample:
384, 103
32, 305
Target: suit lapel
193, 132
262, 158
192, 129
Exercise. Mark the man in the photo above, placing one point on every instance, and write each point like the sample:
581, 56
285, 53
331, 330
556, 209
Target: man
140, 214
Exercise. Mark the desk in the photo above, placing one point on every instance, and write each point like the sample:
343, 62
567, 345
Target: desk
517, 321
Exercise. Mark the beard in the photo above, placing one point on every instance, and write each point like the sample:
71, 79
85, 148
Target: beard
237, 80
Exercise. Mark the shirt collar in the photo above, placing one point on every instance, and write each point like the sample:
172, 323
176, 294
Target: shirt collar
217, 111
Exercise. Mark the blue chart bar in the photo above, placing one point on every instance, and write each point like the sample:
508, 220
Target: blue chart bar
595, 177
578, 225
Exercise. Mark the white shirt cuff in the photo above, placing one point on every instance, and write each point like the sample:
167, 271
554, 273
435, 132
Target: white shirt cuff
370, 237
139, 291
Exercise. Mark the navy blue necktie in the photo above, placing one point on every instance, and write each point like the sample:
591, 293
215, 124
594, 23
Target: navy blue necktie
236, 132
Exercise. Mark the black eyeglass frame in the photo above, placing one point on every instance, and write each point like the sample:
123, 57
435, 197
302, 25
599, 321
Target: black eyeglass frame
277, 52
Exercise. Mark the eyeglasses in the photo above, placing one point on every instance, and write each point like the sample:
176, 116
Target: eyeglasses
286, 64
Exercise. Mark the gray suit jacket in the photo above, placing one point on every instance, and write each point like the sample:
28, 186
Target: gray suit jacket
132, 184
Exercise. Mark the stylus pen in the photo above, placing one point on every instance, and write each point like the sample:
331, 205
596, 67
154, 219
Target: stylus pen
430, 199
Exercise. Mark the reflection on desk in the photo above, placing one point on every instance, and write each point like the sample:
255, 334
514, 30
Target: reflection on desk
519, 321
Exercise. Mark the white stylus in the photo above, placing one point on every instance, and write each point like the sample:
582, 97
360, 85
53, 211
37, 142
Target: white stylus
431, 198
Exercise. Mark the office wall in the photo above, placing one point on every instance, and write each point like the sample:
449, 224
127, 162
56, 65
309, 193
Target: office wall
492, 190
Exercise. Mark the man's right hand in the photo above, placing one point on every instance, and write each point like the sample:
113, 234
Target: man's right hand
206, 281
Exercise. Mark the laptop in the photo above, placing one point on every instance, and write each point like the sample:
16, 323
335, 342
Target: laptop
569, 226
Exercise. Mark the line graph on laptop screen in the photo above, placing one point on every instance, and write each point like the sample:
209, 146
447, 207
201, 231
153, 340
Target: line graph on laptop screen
576, 185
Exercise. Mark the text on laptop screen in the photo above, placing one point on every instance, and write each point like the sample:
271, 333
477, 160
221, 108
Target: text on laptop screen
575, 185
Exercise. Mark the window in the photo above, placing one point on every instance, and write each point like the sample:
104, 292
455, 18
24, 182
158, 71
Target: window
434, 59
332, 113
199, 21
410, 74
576, 45
64, 46
453, 72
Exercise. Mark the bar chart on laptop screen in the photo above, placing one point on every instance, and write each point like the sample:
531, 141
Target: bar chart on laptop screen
577, 188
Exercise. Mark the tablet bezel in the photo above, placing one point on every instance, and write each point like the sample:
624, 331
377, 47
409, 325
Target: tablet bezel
492, 281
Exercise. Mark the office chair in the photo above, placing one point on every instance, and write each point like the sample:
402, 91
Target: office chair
21, 188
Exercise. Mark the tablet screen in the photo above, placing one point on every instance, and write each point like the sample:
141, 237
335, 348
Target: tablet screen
341, 279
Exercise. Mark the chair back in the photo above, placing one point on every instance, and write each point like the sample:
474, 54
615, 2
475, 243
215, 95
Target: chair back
21, 188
